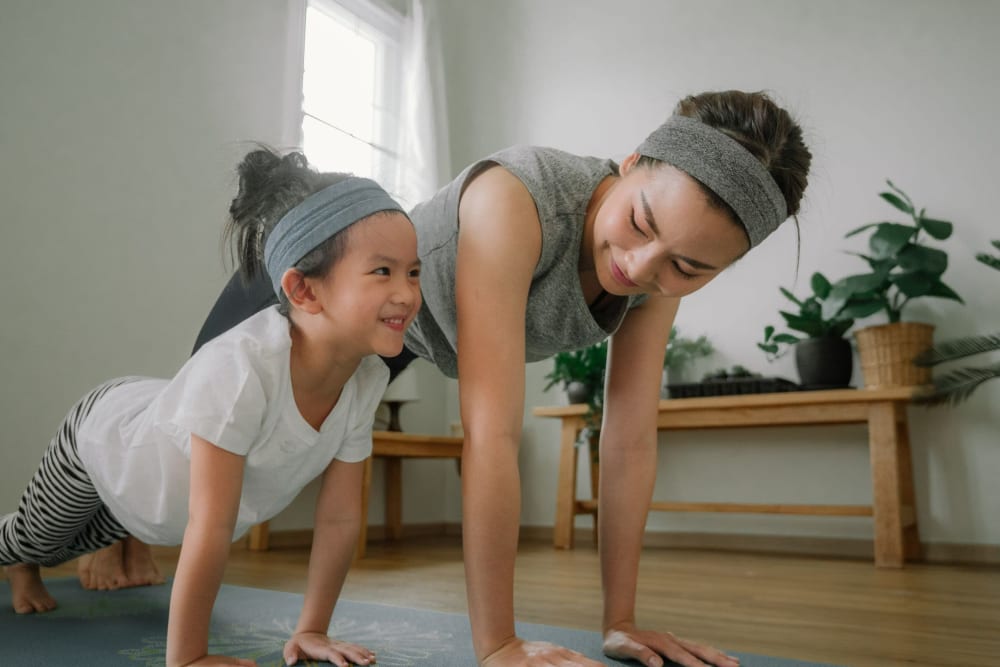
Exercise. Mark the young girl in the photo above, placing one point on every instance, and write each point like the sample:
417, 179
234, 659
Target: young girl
532, 251
249, 420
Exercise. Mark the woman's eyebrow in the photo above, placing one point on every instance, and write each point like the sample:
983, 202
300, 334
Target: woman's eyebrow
696, 264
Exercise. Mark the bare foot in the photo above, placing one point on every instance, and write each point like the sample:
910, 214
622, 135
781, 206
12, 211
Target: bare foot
140, 568
103, 570
27, 592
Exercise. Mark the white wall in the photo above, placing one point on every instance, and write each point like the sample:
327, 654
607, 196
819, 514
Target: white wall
894, 88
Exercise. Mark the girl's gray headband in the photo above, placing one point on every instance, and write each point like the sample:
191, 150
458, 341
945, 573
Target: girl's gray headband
725, 167
318, 217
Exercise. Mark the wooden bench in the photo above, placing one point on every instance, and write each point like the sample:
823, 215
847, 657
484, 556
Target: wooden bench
882, 410
393, 446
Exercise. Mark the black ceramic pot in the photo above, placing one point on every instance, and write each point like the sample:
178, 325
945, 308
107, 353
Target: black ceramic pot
578, 392
824, 362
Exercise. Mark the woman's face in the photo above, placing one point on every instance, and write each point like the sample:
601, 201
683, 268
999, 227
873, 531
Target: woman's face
656, 233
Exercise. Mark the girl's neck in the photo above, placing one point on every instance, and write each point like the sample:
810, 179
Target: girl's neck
319, 370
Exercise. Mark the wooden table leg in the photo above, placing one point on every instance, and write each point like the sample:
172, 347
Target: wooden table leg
911, 534
366, 483
566, 490
259, 537
885, 458
393, 498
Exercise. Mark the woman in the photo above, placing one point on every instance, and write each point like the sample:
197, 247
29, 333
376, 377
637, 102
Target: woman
533, 251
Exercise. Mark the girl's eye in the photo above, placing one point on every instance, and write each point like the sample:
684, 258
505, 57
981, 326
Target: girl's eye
415, 273
634, 225
381, 271
682, 273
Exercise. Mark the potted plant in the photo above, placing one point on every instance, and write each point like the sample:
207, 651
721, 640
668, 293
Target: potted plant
680, 353
823, 357
902, 268
957, 385
581, 373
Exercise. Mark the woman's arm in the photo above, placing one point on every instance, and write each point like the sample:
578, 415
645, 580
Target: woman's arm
499, 245
628, 474
628, 448
214, 500
335, 535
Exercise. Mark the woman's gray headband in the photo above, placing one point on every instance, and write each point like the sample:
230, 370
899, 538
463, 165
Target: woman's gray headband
725, 167
318, 217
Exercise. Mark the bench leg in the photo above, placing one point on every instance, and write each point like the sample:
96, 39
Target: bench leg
566, 490
911, 534
886, 464
259, 537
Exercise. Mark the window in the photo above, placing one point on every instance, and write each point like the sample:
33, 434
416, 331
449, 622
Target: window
350, 88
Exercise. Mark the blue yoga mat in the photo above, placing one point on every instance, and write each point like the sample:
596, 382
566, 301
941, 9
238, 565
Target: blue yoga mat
128, 628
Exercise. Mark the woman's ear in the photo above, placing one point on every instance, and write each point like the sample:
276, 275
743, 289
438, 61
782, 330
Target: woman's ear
299, 292
628, 164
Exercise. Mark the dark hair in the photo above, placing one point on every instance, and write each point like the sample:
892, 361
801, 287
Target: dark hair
766, 130
270, 186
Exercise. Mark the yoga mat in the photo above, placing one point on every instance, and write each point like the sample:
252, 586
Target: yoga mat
128, 628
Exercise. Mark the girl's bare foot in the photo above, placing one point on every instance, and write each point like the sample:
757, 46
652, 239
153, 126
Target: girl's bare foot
28, 593
140, 568
103, 570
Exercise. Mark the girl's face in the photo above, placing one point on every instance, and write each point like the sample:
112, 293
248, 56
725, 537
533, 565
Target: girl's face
372, 293
656, 233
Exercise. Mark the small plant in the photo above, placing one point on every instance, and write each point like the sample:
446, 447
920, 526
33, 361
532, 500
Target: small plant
902, 267
737, 372
957, 385
810, 320
585, 366
682, 351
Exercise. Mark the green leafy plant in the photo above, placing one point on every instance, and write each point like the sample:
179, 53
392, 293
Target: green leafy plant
586, 366
902, 267
681, 351
957, 385
810, 320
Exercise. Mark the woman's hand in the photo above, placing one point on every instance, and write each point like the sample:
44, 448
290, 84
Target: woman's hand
649, 648
519, 653
317, 646
221, 661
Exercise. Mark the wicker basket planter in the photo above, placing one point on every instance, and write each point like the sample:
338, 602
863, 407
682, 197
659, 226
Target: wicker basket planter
887, 352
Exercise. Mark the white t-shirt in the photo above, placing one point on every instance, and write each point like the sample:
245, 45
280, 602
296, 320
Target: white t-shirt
236, 393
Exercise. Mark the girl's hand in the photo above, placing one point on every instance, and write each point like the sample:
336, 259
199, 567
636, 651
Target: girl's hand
649, 648
221, 661
317, 646
519, 653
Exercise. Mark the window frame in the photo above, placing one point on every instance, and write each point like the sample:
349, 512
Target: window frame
383, 25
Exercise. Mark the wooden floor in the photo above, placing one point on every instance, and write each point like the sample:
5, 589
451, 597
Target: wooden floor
836, 611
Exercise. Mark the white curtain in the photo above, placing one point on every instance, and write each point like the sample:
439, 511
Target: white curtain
423, 140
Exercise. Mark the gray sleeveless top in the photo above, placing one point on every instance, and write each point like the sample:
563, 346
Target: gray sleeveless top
557, 318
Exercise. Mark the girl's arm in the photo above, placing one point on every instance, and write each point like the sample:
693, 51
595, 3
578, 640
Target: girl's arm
628, 474
335, 535
214, 500
499, 245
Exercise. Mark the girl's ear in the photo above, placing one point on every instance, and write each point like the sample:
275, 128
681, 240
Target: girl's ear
300, 292
628, 163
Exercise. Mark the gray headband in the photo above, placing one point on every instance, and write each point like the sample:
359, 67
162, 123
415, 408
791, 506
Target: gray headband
725, 167
318, 217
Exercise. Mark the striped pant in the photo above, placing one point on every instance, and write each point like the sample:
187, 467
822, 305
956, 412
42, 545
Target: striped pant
60, 515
